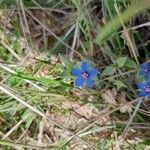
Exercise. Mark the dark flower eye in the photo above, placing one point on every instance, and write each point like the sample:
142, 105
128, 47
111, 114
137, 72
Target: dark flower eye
85, 75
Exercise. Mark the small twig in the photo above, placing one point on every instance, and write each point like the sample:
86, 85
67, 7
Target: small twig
147, 24
76, 32
22, 146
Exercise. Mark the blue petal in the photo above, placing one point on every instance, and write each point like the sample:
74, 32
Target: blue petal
85, 66
141, 72
148, 78
142, 93
79, 82
76, 72
90, 83
145, 65
93, 73
141, 85
148, 65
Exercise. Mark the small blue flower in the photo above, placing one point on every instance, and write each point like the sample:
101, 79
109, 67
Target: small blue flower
144, 87
84, 75
144, 69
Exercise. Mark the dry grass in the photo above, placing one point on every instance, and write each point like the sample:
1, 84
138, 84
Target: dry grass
39, 106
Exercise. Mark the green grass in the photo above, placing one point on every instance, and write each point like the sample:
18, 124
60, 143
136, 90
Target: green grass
41, 42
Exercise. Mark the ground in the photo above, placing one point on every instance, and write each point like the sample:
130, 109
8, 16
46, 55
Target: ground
42, 106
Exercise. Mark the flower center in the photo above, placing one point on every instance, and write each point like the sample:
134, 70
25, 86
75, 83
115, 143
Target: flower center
85, 75
147, 89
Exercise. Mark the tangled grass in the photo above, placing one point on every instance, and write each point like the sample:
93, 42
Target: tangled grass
41, 42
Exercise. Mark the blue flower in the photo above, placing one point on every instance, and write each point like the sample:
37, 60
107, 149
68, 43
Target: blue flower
84, 75
144, 69
144, 87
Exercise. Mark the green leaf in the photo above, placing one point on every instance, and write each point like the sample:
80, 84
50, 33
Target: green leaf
109, 71
110, 8
130, 63
14, 81
28, 117
121, 61
38, 79
126, 62
119, 84
46, 81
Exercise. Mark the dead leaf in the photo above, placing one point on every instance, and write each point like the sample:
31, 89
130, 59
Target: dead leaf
125, 105
110, 96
